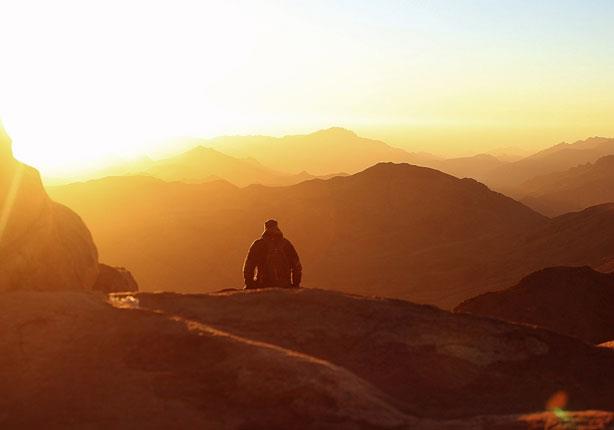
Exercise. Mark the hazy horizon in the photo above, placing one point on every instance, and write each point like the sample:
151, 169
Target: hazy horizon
86, 83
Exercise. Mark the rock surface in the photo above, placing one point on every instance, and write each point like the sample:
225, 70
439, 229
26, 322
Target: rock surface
433, 363
43, 245
115, 280
576, 301
283, 360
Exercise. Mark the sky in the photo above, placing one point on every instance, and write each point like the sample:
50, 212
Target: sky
86, 81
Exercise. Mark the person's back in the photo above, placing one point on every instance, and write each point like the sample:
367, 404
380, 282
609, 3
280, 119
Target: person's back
272, 261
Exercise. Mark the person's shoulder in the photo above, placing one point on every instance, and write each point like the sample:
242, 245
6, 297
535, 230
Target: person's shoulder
287, 242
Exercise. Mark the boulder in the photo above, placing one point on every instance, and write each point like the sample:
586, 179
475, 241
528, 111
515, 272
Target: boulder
43, 245
115, 280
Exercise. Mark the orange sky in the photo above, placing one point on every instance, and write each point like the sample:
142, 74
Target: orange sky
83, 82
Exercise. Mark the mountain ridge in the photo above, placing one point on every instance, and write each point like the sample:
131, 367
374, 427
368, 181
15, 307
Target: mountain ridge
386, 230
576, 301
563, 156
574, 189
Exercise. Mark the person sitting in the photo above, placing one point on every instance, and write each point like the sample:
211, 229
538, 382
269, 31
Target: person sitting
272, 261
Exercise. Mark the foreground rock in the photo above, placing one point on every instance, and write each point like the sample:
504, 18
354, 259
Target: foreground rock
433, 363
283, 360
71, 360
576, 301
43, 245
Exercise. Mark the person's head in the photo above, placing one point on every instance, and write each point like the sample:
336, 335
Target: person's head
271, 224
271, 229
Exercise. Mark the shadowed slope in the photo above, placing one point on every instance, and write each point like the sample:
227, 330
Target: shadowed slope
572, 190
555, 159
433, 363
576, 301
69, 360
279, 360
393, 229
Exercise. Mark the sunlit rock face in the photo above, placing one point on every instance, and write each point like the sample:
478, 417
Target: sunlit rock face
43, 245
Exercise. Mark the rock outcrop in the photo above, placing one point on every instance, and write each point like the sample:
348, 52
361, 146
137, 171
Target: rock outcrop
576, 301
276, 359
43, 245
431, 363
115, 280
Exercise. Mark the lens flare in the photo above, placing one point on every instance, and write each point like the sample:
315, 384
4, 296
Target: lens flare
9, 200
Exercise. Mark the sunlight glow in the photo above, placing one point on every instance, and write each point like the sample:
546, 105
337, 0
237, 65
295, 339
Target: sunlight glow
83, 83
9, 201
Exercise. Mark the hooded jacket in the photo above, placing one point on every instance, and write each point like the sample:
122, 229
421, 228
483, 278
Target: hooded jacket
256, 260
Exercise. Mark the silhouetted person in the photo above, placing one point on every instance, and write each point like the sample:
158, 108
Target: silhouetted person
273, 260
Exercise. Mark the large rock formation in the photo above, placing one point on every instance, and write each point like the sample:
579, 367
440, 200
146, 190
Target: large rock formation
576, 301
276, 359
43, 245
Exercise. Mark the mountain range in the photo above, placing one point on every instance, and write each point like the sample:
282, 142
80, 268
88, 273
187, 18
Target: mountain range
394, 230
543, 180
72, 357
571, 190
320, 153
511, 176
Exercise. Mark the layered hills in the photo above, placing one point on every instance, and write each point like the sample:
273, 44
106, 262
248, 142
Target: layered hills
572, 190
304, 358
576, 301
394, 229
201, 164
561, 157
477, 167
320, 153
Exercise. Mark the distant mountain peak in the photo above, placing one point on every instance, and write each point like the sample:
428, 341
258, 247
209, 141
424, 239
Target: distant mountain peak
336, 132
401, 168
200, 149
596, 139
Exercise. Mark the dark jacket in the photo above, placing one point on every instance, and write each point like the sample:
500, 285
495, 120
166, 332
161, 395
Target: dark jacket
257, 260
